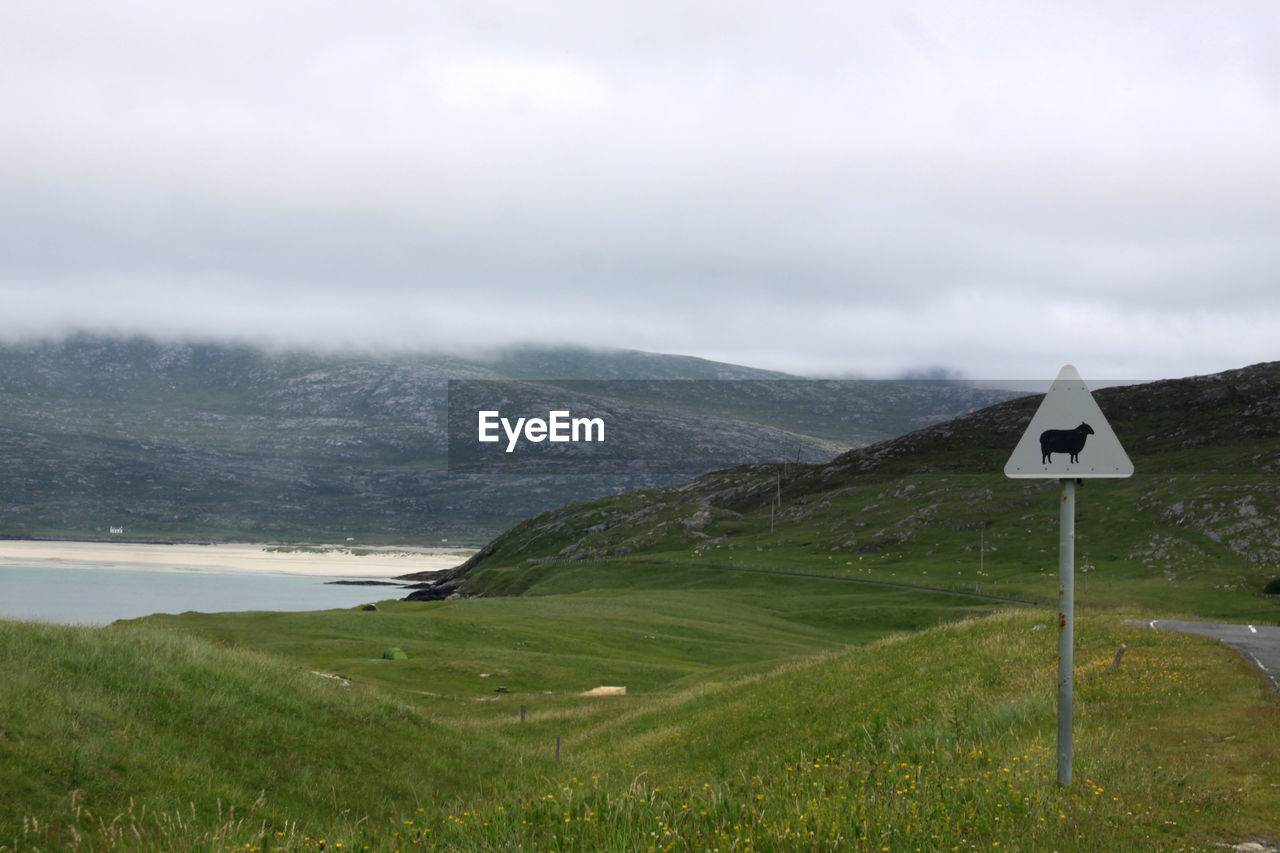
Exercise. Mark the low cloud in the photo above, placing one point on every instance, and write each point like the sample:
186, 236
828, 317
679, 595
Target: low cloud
814, 189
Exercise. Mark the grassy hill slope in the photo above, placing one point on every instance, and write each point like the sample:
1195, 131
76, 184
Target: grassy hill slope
134, 738
1194, 531
129, 736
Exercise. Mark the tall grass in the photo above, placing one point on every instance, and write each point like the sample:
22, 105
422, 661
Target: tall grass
939, 739
109, 728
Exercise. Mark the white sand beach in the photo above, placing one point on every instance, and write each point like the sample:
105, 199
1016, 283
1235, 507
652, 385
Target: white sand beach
372, 562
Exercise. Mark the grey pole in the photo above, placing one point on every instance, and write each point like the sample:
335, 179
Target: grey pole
1066, 625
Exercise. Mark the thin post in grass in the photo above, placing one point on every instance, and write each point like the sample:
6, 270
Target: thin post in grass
522, 713
1066, 624
557, 749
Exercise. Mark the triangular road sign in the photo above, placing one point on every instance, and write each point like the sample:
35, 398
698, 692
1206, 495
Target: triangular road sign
1068, 437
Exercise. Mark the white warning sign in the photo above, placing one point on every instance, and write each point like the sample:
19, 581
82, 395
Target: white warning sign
1068, 437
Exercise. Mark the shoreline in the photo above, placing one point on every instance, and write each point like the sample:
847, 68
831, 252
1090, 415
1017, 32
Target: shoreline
319, 561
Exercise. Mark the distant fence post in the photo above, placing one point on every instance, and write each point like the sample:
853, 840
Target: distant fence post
522, 713
557, 749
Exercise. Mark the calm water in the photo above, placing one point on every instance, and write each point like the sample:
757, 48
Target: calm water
100, 596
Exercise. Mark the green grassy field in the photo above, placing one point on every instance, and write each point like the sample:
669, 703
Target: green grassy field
677, 628
762, 713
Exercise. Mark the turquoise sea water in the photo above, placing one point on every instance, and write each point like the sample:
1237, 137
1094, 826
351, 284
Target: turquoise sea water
99, 596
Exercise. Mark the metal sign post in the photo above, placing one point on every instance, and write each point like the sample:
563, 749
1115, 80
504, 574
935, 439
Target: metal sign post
1066, 624
1069, 426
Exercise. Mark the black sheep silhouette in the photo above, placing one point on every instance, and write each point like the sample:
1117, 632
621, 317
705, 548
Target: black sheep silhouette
1063, 441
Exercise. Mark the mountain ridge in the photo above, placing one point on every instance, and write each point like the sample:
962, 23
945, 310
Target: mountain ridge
210, 441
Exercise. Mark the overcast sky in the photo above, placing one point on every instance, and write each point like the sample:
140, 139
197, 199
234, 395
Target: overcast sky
818, 187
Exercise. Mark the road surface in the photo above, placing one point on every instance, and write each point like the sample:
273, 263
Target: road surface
1260, 644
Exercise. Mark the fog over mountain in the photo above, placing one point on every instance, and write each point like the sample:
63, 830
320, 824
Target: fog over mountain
210, 441
808, 187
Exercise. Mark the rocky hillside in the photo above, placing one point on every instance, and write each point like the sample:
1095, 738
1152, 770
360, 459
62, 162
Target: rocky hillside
1205, 496
203, 440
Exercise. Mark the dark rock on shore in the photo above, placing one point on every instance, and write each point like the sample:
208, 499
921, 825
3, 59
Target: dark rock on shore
443, 586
